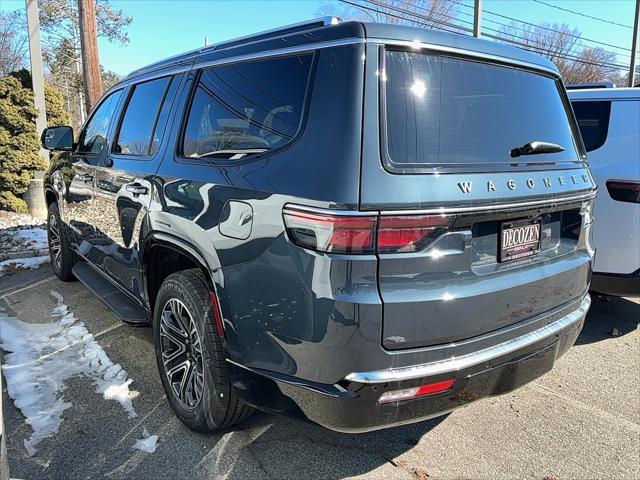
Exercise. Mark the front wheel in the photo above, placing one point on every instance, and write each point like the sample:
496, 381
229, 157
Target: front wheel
60, 254
191, 357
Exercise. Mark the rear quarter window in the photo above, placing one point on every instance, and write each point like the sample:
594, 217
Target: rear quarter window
248, 108
593, 120
450, 112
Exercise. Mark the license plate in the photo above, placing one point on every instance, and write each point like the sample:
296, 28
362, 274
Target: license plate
519, 239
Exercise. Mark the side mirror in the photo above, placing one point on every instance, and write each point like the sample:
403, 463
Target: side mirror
57, 138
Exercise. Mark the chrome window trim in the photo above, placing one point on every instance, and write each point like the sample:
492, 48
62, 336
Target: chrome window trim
454, 364
279, 52
168, 69
416, 45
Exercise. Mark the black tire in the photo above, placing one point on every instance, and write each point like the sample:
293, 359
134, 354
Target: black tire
61, 256
217, 407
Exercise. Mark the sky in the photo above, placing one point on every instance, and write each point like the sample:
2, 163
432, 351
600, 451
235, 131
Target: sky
162, 28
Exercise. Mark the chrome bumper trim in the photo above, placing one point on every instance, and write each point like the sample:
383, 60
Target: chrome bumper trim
454, 364
549, 201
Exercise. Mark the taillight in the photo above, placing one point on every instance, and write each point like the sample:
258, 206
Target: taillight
624, 190
330, 233
415, 392
362, 234
408, 233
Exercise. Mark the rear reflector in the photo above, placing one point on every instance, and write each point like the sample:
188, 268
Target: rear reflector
415, 392
361, 234
217, 314
624, 191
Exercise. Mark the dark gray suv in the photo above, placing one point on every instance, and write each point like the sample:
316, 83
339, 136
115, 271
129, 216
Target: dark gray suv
363, 224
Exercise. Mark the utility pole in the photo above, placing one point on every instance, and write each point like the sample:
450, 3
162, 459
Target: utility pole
477, 18
34, 196
634, 46
89, 47
37, 78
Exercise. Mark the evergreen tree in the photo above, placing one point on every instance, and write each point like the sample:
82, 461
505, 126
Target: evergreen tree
19, 143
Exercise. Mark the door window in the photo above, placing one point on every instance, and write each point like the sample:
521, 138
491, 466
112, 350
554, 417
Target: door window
593, 120
247, 108
139, 120
93, 138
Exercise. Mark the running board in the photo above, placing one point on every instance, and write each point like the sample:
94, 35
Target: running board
117, 301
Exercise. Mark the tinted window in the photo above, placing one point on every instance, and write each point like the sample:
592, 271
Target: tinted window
136, 129
453, 112
93, 138
163, 116
247, 108
593, 120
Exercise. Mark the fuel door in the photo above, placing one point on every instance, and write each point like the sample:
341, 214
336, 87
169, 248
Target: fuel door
236, 220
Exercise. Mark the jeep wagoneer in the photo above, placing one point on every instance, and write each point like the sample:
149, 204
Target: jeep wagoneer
363, 224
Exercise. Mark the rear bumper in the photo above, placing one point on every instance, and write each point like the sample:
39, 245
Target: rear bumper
616, 284
352, 404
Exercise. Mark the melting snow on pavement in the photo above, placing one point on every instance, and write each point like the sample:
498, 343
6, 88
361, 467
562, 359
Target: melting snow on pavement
148, 443
18, 247
42, 356
23, 263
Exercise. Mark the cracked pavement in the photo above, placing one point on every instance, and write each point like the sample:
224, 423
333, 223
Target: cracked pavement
581, 420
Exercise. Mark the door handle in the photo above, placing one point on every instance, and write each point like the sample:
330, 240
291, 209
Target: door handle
136, 189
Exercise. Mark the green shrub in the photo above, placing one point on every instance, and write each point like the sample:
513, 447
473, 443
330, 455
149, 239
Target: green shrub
54, 103
19, 143
8, 201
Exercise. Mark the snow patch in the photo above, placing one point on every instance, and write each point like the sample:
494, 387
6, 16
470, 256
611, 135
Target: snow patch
148, 443
29, 263
42, 356
35, 238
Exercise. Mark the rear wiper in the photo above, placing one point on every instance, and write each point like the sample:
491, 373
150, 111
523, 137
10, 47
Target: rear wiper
534, 148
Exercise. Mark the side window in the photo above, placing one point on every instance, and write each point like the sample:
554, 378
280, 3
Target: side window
163, 115
139, 119
593, 120
246, 108
93, 138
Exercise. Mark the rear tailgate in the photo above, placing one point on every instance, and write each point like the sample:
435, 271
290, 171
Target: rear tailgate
437, 143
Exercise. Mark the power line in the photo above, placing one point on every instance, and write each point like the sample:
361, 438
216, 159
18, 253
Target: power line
564, 56
506, 17
528, 40
371, 9
583, 14
524, 30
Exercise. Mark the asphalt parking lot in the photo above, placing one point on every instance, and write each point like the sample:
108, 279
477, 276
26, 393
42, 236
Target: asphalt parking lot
580, 421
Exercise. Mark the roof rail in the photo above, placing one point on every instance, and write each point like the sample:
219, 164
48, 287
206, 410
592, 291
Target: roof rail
582, 86
294, 27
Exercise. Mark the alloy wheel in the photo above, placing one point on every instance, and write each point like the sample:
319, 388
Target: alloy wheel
181, 350
55, 245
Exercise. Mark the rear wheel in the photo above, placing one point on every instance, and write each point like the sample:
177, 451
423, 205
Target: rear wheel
60, 253
191, 357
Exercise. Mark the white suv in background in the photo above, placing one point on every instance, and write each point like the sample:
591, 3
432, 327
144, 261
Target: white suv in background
609, 120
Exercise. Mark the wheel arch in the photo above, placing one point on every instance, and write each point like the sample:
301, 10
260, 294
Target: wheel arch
178, 255
50, 195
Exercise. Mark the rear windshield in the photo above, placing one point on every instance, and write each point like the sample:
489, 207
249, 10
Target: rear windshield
443, 111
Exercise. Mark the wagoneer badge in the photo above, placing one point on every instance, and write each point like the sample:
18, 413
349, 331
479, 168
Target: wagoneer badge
530, 183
